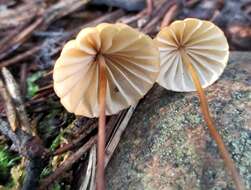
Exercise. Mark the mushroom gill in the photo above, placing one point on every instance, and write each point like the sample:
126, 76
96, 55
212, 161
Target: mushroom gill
193, 55
105, 69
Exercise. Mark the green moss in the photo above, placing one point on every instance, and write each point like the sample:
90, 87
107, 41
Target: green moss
46, 172
4, 164
50, 125
7, 160
32, 87
56, 186
56, 142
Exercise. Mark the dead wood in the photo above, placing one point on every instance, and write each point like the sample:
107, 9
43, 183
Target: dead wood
24, 142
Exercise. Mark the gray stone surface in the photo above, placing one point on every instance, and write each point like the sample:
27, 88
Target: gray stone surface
167, 146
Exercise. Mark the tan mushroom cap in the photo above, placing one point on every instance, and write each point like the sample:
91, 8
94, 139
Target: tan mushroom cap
132, 66
205, 45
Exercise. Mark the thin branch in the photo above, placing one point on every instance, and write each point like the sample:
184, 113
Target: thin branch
92, 182
119, 129
68, 163
27, 145
169, 15
110, 17
20, 57
6, 131
19, 39
9, 107
157, 16
88, 174
74, 143
15, 94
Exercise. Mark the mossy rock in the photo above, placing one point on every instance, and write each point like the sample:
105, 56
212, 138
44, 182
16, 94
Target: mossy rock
167, 145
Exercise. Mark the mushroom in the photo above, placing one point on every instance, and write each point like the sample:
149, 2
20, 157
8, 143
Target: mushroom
105, 69
193, 55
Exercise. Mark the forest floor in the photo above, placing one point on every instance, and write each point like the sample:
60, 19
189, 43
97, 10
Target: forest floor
51, 147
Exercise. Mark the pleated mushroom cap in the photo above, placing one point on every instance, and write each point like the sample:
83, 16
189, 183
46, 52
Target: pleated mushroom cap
132, 66
205, 45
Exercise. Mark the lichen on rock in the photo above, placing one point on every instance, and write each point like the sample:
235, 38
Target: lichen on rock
167, 145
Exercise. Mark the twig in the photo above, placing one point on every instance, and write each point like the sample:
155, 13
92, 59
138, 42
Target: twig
6, 131
92, 183
61, 9
121, 126
169, 15
14, 91
149, 7
11, 34
50, 86
90, 165
19, 39
27, 145
82, 123
159, 14
21, 15
110, 17
144, 16
68, 163
112, 126
20, 57
77, 155
9, 107
44, 19
23, 78
43, 91
74, 143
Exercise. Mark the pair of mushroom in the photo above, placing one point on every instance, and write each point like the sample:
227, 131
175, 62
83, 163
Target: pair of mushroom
109, 67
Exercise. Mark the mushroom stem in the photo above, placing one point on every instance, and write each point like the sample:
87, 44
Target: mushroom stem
213, 131
102, 121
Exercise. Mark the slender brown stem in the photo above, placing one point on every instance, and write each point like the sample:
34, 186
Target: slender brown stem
101, 129
214, 133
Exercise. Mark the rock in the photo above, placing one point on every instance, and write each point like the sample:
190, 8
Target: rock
129, 5
167, 145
